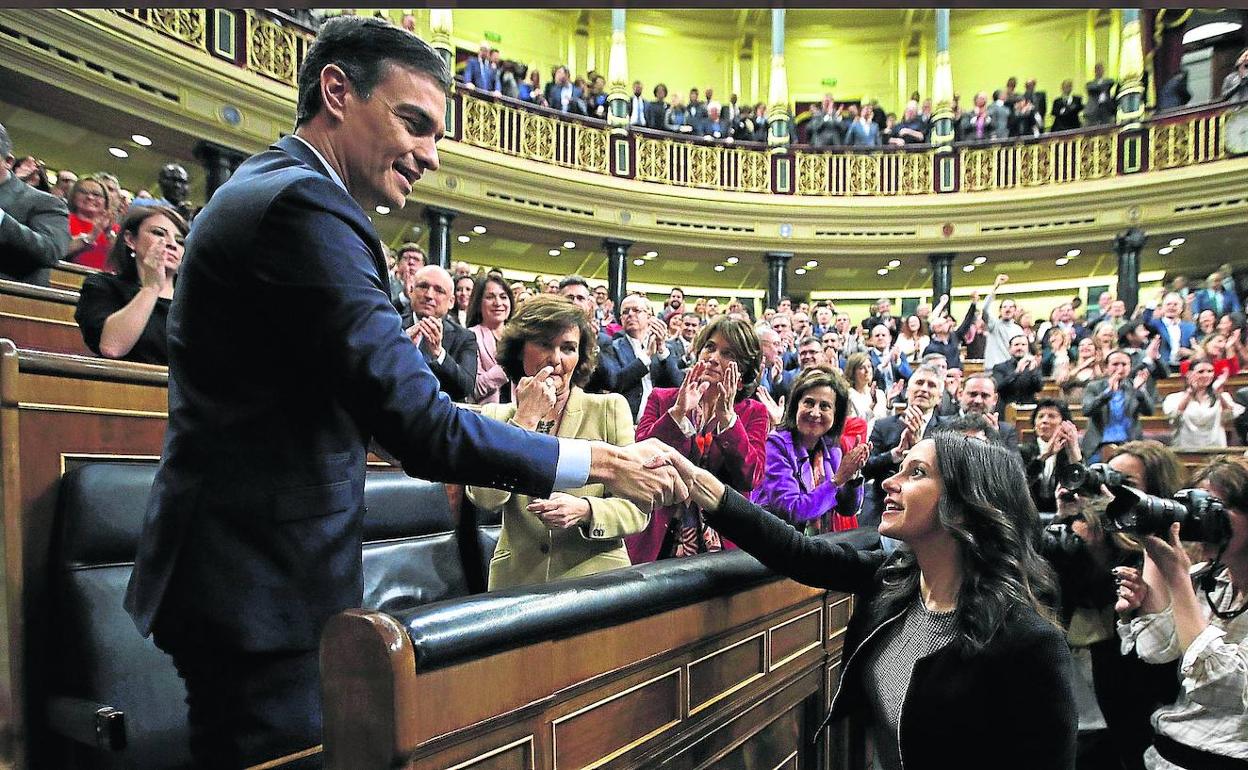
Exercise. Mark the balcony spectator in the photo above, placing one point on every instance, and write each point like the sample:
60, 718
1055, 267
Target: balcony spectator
1066, 108
977, 123
677, 118
1025, 120
1235, 84
1009, 94
825, 124
1113, 406
549, 350
808, 480
124, 314
695, 109
863, 131
637, 106
1102, 103
1018, 379
596, 98
1176, 334
912, 129
1000, 113
489, 309
1201, 412
878, 114
1038, 99
712, 125
759, 122
33, 230
563, 95
887, 132
508, 82
531, 89
1174, 94
91, 227
712, 420
481, 73
1216, 297
656, 111
732, 110
449, 350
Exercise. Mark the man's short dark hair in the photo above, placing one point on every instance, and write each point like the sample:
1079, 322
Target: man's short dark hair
362, 47
575, 280
967, 424
1050, 403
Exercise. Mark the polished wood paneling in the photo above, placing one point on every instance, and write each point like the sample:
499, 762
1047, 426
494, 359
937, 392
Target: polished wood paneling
837, 613
40, 318
68, 275
795, 636
595, 734
514, 756
725, 671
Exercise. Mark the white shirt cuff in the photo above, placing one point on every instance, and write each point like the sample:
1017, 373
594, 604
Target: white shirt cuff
441, 357
572, 468
686, 427
1209, 636
664, 352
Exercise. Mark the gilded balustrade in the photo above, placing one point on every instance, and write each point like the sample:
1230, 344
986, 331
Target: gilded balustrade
274, 48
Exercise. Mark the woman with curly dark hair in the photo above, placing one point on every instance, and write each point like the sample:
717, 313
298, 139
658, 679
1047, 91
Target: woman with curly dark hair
952, 657
549, 351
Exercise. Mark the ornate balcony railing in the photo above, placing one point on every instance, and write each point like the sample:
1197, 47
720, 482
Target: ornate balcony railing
273, 45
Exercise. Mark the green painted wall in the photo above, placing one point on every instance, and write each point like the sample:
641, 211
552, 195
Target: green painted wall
1050, 51
861, 69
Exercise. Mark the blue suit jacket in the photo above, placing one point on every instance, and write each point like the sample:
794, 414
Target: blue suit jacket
286, 358
485, 78
624, 371
1187, 331
1205, 301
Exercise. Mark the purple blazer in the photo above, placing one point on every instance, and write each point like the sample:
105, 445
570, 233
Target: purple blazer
786, 489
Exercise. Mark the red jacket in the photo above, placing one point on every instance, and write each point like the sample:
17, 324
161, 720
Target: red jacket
736, 457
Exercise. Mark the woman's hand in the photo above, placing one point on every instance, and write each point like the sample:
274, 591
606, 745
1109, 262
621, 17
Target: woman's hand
690, 393
1132, 590
775, 411
151, 265
726, 396
1170, 557
851, 463
535, 398
560, 510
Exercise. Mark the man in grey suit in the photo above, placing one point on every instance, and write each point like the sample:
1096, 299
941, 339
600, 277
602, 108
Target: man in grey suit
999, 114
34, 226
825, 124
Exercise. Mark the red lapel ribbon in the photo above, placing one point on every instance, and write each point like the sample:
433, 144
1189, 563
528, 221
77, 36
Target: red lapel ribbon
703, 441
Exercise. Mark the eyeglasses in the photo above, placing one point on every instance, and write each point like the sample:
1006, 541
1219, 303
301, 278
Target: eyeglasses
632, 310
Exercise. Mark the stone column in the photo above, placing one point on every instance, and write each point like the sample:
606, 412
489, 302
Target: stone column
1127, 247
440, 25
778, 90
942, 276
777, 275
617, 270
439, 235
942, 131
219, 163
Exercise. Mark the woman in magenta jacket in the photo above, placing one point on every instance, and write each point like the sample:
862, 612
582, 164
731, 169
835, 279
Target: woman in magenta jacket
808, 480
712, 420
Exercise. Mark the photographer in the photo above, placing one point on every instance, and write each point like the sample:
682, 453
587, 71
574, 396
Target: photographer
1202, 625
1086, 558
1056, 445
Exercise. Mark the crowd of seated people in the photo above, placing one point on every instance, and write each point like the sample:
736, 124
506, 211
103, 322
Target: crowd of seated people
1006, 112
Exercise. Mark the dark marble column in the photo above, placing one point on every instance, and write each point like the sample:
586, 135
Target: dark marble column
617, 270
777, 276
1127, 247
219, 163
439, 235
942, 275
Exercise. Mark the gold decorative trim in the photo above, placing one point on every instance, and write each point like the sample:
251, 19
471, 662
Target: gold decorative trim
72, 409
773, 665
690, 709
790, 758
554, 736
37, 319
495, 752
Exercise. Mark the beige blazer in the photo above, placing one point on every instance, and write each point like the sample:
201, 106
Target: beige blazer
528, 552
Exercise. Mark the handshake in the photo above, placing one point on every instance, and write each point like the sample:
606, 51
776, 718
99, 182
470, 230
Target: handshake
653, 474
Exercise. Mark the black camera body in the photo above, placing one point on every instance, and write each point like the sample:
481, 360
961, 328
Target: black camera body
1087, 480
1202, 517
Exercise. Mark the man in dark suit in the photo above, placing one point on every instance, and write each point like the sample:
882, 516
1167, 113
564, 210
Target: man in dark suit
286, 360
637, 361
825, 124
1017, 379
1102, 103
1066, 108
979, 396
480, 72
34, 226
1038, 99
892, 437
449, 349
776, 378
563, 95
637, 106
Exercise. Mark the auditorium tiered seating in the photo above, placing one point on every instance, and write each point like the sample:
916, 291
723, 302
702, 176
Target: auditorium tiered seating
40, 318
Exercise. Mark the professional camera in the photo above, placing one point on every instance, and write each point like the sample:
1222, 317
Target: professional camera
1087, 479
1201, 516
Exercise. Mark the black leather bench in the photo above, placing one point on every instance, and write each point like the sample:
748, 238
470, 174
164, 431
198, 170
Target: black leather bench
114, 693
